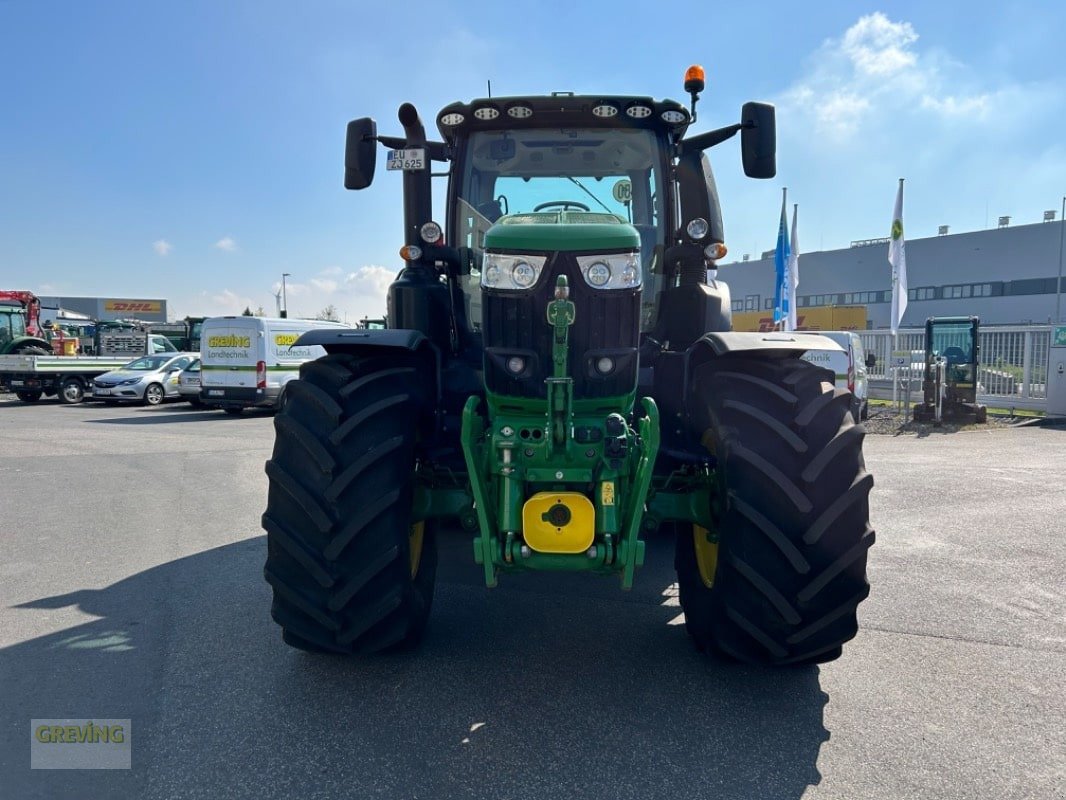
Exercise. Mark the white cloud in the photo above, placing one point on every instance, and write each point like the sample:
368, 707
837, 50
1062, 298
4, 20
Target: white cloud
371, 281
162, 246
976, 106
227, 244
225, 303
356, 293
841, 112
875, 78
327, 285
878, 46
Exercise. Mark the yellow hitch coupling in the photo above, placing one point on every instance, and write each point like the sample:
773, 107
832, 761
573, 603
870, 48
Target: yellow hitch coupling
558, 522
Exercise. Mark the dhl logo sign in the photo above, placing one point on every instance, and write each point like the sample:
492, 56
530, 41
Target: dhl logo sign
286, 339
766, 325
126, 306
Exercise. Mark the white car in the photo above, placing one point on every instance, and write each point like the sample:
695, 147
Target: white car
189, 383
149, 379
848, 366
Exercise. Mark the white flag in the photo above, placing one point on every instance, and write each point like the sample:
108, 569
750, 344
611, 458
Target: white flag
793, 273
897, 257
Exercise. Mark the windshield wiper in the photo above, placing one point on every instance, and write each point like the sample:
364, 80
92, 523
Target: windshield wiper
581, 186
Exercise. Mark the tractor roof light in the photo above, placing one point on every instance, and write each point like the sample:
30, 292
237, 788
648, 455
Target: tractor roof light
673, 116
486, 113
430, 233
639, 111
452, 119
605, 111
520, 112
695, 79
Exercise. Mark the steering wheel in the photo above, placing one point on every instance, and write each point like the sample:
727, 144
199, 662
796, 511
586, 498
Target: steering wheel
564, 203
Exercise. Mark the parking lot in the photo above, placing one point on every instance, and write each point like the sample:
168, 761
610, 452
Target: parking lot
131, 587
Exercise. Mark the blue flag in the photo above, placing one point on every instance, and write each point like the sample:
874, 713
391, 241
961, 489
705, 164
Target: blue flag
782, 289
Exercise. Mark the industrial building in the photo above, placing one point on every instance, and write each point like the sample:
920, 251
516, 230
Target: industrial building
1009, 275
103, 308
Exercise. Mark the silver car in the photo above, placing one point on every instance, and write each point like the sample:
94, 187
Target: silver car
149, 379
189, 383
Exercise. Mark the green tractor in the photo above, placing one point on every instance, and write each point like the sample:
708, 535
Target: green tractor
559, 379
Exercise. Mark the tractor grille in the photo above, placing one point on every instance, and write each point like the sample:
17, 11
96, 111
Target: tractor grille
607, 323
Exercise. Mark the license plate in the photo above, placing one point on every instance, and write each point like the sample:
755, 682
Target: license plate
407, 160
18, 383
101, 391
215, 393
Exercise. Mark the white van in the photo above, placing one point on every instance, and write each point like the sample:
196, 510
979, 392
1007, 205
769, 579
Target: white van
245, 362
848, 366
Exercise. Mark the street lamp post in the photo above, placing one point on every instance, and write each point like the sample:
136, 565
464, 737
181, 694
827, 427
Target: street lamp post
1058, 284
284, 298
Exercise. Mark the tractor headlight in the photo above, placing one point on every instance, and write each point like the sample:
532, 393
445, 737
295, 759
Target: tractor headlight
511, 272
598, 274
523, 274
697, 228
616, 271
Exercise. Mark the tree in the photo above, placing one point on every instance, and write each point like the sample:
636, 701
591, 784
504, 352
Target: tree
329, 313
259, 312
247, 312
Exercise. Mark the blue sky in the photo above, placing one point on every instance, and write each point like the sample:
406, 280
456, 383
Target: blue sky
194, 150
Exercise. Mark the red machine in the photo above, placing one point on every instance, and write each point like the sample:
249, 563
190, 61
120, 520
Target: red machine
32, 304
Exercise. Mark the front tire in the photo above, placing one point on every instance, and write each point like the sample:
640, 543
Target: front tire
350, 572
154, 394
72, 391
783, 583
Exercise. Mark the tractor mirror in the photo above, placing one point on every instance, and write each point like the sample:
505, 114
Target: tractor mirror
758, 140
360, 153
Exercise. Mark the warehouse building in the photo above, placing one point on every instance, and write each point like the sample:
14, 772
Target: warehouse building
1008, 275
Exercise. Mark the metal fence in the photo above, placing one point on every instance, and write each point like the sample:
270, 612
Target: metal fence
1012, 369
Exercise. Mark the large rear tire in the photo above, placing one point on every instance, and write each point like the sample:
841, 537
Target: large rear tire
783, 582
28, 397
350, 572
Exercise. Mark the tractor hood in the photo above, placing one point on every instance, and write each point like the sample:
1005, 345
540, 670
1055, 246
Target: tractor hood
552, 231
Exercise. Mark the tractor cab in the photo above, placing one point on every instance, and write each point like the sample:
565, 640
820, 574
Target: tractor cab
12, 324
19, 328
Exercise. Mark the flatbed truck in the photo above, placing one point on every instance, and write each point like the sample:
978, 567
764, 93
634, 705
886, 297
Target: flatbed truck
32, 376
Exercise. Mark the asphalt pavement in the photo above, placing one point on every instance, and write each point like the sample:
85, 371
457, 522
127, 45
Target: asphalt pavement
131, 587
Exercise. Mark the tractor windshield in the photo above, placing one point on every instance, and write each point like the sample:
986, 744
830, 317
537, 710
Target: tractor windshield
602, 170
954, 341
12, 324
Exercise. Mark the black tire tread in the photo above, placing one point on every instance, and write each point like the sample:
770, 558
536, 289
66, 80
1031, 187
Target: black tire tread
794, 513
341, 483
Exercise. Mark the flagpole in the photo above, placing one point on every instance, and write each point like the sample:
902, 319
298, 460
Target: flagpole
895, 306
